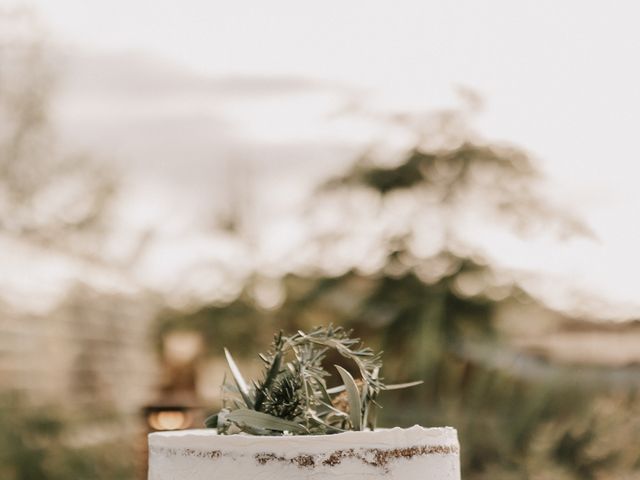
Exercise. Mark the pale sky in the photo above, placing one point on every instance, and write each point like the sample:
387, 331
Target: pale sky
558, 78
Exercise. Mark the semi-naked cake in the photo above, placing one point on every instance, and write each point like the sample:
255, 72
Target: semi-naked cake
414, 453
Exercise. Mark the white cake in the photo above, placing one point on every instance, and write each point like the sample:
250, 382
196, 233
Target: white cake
414, 453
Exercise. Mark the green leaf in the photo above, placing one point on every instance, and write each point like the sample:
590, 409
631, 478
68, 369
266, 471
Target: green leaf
211, 421
240, 382
398, 386
258, 420
334, 390
328, 428
217, 420
228, 388
353, 395
327, 407
324, 397
271, 375
368, 399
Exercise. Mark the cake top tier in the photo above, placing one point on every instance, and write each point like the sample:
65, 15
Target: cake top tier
392, 438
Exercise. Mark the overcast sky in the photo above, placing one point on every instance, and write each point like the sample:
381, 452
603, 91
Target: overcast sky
202, 82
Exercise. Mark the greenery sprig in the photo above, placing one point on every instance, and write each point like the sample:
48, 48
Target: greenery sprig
293, 399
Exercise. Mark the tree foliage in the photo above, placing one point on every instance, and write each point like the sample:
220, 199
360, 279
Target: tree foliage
47, 196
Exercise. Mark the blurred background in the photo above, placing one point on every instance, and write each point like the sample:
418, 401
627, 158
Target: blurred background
456, 181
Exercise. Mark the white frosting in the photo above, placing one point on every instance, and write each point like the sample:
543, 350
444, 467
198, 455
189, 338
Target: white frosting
414, 453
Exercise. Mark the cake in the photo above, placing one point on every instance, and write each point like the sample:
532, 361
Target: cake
414, 453
291, 425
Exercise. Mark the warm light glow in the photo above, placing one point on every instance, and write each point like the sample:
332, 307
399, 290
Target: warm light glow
169, 420
180, 348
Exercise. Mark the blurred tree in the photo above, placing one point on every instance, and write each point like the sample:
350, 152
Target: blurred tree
432, 282
47, 197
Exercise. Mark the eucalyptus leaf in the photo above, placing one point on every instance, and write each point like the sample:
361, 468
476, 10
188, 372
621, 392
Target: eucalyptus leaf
211, 421
239, 379
330, 408
259, 420
334, 390
369, 416
353, 395
229, 388
400, 386
325, 399
328, 428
